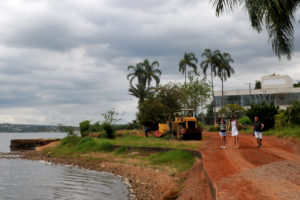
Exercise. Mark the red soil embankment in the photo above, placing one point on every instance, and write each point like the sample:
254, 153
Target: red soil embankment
269, 172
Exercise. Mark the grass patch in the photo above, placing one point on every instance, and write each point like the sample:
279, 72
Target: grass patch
121, 150
179, 159
284, 132
140, 141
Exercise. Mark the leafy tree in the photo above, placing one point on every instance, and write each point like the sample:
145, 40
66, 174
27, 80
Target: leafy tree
84, 127
224, 69
265, 112
210, 62
188, 60
257, 85
161, 105
110, 116
245, 120
297, 84
277, 17
293, 113
96, 127
109, 130
232, 109
280, 120
197, 92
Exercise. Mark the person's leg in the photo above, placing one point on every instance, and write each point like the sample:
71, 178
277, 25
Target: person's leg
234, 140
224, 141
221, 141
237, 141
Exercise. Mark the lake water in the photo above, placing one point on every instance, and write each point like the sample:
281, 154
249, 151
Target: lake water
35, 180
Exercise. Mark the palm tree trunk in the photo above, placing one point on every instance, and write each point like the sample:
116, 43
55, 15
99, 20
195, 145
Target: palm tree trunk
185, 88
222, 90
213, 96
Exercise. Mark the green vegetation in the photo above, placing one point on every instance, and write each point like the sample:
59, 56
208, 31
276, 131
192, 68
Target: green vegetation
245, 120
74, 146
265, 112
188, 60
84, 128
276, 16
284, 132
232, 109
182, 160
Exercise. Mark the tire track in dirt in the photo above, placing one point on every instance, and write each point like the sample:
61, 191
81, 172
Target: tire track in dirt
244, 173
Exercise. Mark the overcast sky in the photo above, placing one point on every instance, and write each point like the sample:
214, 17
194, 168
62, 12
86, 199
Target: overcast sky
65, 61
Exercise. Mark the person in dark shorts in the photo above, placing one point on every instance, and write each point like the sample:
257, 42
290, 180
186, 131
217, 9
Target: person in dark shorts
222, 130
257, 128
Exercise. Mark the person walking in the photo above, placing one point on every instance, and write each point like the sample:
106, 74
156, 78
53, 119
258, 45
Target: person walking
234, 130
257, 128
222, 129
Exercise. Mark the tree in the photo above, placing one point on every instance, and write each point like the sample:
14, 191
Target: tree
297, 84
265, 112
277, 17
161, 105
151, 72
197, 92
145, 72
224, 68
140, 91
84, 127
110, 116
232, 109
138, 72
210, 62
293, 113
189, 59
257, 85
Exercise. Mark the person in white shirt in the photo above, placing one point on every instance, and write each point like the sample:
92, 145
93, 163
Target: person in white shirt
234, 131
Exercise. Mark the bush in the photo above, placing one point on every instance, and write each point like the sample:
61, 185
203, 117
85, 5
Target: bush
293, 113
70, 141
265, 112
213, 128
84, 128
109, 130
280, 120
245, 120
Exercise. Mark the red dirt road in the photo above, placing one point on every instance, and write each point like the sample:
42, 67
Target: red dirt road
271, 172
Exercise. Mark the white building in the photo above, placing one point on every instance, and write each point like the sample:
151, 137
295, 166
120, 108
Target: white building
276, 89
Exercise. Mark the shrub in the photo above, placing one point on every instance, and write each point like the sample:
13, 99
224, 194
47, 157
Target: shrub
293, 113
84, 128
280, 120
70, 141
245, 120
109, 130
213, 128
265, 112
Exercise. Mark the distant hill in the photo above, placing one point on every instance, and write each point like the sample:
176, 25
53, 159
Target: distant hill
21, 128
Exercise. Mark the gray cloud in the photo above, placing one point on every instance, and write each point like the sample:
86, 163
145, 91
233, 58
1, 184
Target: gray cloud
65, 61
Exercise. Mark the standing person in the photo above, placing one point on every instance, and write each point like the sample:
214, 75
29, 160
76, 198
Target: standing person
222, 129
257, 128
147, 130
234, 130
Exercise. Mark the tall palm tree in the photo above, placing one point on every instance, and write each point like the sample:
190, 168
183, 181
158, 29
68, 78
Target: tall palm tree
151, 72
140, 91
276, 15
210, 62
224, 69
138, 72
189, 59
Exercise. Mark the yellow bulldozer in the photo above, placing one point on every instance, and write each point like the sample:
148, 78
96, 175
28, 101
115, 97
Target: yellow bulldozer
185, 126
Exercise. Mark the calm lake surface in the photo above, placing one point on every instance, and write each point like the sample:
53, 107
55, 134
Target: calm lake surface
35, 180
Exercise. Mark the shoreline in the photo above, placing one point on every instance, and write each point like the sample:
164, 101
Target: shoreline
144, 183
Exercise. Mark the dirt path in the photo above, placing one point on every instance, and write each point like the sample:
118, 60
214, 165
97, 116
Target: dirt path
270, 172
